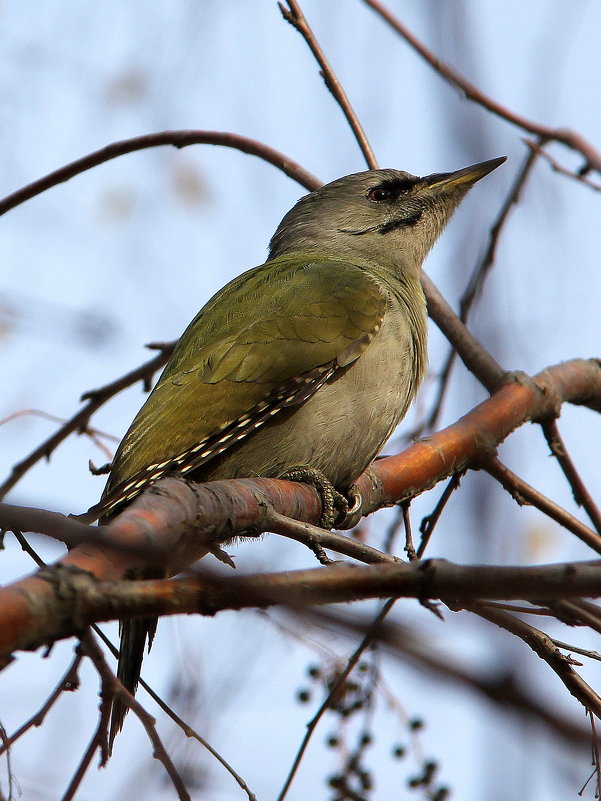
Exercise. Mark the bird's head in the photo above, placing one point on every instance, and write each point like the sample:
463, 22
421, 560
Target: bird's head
385, 216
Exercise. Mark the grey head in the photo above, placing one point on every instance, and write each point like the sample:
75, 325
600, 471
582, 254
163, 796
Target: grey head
388, 217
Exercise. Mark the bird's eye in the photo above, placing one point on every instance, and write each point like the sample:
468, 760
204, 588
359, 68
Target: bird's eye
379, 195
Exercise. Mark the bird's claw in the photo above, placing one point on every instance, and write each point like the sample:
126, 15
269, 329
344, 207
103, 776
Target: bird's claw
335, 506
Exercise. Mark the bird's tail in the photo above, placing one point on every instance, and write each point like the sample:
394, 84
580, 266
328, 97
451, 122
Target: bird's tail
134, 634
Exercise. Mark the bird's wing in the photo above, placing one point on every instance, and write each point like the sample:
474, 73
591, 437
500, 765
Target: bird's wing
266, 341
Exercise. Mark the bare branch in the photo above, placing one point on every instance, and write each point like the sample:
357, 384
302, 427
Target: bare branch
235, 506
429, 522
569, 138
311, 535
557, 167
473, 354
581, 495
112, 685
297, 19
79, 422
60, 601
506, 689
523, 493
543, 646
68, 683
370, 636
178, 139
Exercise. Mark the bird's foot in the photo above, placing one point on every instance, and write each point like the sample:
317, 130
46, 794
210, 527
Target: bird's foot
335, 506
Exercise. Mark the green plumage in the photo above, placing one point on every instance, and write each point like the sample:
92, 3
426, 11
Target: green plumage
268, 326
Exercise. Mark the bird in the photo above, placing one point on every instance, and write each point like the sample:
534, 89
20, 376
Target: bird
301, 367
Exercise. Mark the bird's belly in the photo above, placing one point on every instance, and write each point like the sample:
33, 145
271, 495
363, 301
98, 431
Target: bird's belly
341, 428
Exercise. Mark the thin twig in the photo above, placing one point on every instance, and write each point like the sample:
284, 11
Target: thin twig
582, 651
472, 353
581, 495
80, 420
569, 138
98, 741
28, 549
91, 432
544, 647
429, 522
522, 492
542, 611
185, 727
112, 685
409, 548
482, 269
369, 637
557, 167
504, 688
297, 19
314, 537
68, 683
178, 139
596, 758
190, 732
9, 767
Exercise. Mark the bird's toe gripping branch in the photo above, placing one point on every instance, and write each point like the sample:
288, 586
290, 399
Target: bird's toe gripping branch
335, 506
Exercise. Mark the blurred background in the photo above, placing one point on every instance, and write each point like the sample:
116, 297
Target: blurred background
126, 254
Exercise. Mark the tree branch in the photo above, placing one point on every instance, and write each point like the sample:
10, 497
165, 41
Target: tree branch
178, 139
297, 19
74, 598
569, 138
186, 521
79, 422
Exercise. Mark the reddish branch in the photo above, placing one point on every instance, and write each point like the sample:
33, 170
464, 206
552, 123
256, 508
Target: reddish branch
557, 167
185, 522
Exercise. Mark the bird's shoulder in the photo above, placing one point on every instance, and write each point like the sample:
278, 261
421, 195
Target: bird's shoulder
281, 319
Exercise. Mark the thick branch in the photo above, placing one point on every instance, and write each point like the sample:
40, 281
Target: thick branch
218, 511
73, 598
186, 522
224, 509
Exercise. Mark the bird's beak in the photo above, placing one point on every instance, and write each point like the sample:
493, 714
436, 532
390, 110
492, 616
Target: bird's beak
468, 175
